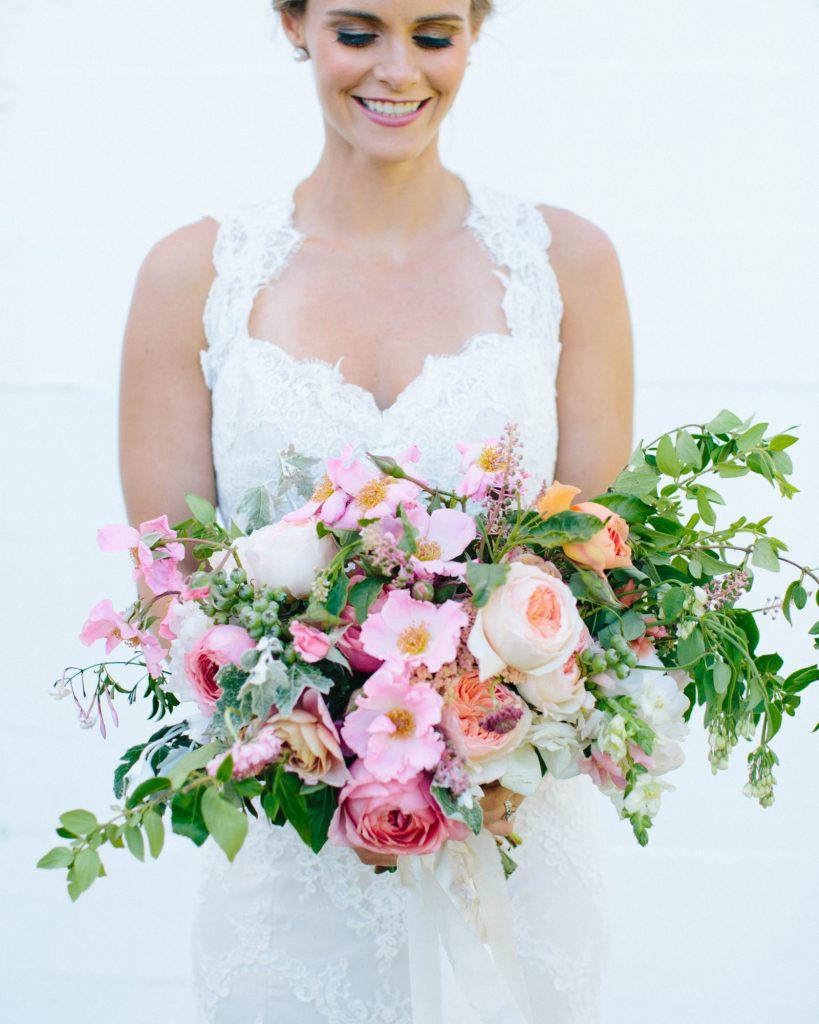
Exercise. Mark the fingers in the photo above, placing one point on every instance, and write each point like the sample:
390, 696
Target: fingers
375, 859
494, 803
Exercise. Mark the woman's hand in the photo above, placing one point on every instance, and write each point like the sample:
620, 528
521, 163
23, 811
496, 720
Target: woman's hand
384, 860
493, 803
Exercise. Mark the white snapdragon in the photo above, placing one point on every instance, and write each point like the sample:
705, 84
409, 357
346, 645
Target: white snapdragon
646, 795
612, 738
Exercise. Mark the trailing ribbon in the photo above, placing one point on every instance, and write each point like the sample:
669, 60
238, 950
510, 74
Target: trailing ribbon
457, 903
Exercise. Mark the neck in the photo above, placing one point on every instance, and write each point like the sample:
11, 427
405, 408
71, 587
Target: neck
388, 206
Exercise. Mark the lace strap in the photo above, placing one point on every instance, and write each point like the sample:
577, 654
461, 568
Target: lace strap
253, 244
518, 238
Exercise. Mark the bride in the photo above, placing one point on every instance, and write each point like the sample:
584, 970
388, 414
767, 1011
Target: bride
385, 301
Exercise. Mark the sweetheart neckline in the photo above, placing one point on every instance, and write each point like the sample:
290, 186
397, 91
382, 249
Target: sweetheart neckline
335, 372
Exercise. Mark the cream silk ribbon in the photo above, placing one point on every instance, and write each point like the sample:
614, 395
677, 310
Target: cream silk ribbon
457, 903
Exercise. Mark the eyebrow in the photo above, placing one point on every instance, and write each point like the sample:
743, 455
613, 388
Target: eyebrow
367, 16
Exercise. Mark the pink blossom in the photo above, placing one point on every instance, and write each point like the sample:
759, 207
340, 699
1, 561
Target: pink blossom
104, 622
643, 646
639, 756
153, 652
412, 633
441, 537
216, 647
251, 757
483, 466
603, 770
349, 643
156, 564
354, 490
311, 644
400, 818
393, 726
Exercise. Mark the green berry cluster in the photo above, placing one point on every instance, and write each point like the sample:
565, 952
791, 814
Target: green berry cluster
233, 598
616, 656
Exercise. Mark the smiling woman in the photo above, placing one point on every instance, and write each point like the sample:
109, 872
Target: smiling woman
457, 308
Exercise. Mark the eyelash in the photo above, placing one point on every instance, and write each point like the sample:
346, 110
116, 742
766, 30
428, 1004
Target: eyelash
365, 38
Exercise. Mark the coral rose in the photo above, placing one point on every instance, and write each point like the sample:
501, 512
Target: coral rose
607, 549
484, 722
391, 817
556, 498
530, 623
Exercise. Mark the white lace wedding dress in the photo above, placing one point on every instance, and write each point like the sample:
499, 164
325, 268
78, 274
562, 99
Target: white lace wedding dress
283, 936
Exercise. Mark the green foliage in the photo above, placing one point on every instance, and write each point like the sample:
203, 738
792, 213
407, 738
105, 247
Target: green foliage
226, 824
472, 816
483, 579
256, 508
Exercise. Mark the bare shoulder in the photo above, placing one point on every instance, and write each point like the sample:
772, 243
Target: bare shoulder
182, 258
582, 254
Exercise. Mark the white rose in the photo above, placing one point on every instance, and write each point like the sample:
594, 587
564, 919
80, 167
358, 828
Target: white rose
558, 745
286, 555
530, 623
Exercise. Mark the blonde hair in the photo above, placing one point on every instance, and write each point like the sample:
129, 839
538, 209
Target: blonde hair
480, 8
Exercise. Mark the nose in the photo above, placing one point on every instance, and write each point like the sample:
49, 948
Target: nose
397, 69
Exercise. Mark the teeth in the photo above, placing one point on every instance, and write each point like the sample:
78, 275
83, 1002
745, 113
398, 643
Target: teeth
391, 109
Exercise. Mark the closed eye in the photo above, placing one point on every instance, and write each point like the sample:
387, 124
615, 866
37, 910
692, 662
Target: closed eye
365, 38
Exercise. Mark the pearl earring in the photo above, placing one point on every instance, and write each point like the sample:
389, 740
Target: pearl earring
299, 53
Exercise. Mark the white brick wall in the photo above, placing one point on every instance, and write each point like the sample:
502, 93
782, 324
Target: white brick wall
686, 129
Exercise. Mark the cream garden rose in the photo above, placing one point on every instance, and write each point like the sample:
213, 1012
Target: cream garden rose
530, 623
286, 555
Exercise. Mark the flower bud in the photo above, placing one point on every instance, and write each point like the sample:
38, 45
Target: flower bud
423, 590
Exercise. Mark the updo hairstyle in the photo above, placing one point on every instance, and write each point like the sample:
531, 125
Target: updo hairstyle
480, 8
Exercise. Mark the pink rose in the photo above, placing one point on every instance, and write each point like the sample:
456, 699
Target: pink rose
530, 623
350, 641
391, 817
310, 642
607, 549
309, 734
482, 721
216, 647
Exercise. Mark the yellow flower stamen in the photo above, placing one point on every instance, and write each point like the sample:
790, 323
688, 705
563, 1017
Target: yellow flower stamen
414, 639
491, 459
428, 550
403, 721
373, 492
323, 491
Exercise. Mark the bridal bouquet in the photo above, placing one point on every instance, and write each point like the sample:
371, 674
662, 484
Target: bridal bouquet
361, 667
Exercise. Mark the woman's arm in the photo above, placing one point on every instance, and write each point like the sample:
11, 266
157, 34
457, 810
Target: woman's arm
595, 387
164, 413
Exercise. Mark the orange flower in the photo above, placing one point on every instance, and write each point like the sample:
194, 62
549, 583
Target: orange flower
556, 498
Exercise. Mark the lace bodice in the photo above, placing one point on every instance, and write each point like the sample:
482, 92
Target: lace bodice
282, 934
265, 399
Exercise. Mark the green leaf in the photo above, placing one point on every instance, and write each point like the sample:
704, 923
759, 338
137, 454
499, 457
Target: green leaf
154, 830
723, 423
764, 555
337, 598
800, 596
321, 806
672, 603
186, 816
692, 648
127, 762
483, 578
256, 508
722, 676
695, 567
633, 625
201, 509
363, 594
134, 841
286, 786
704, 508
565, 528
84, 871
781, 441
799, 680
731, 469
472, 816
585, 584
751, 437
59, 857
146, 788
79, 822
188, 763
638, 478
409, 537
774, 716
224, 773
270, 804
687, 451
667, 461
226, 823
629, 507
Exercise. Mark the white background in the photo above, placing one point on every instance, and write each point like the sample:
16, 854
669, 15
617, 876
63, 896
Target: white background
687, 130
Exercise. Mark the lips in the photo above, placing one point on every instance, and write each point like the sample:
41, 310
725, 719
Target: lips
392, 113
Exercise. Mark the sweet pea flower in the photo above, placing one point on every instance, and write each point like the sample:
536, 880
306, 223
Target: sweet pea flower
392, 728
442, 536
104, 622
353, 490
157, 565
604, 771
412, 633
400, 818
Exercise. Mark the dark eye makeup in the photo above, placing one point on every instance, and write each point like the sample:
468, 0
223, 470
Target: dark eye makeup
365, 38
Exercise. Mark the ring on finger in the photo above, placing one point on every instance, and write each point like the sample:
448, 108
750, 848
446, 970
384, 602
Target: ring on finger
508, 810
